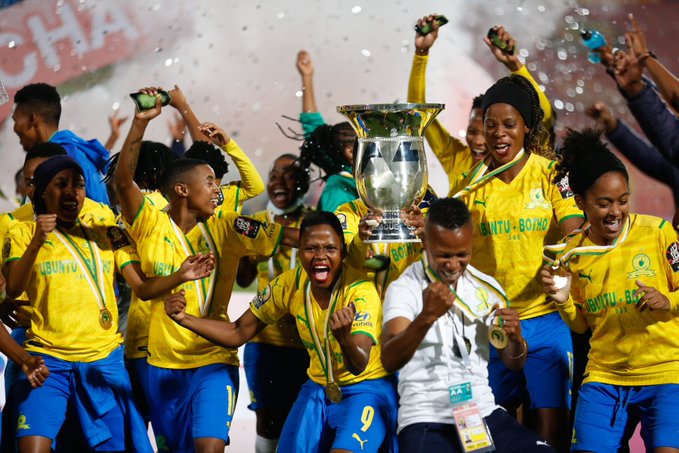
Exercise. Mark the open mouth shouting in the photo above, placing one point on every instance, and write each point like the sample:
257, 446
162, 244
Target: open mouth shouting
320, 273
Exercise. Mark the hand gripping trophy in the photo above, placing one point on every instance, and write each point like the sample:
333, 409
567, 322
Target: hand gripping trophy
390, 166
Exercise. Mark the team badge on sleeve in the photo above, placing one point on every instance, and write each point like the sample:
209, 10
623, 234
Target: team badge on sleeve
343, 220
564, 187
247, 226
673, 256
117, 238
262, 297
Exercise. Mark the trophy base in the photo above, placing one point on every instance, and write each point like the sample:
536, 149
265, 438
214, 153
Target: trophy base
391, 230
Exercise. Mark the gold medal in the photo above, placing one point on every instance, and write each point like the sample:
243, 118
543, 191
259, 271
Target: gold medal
498, 338
333, 392
105, 318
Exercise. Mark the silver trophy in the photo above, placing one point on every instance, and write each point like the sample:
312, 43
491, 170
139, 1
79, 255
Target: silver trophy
390, 166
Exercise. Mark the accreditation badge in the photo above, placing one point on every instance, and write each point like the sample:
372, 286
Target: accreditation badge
472, 429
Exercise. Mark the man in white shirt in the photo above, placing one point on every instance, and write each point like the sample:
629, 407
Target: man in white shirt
438, 319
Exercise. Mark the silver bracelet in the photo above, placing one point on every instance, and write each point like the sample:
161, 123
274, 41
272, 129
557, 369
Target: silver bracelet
525, 351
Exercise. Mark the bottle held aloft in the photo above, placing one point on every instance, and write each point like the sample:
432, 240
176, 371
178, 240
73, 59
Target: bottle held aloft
594, 41
428, 27
147, 101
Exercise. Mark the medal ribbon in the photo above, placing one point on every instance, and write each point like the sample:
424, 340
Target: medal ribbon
323, 350
203, 304
595, 250
459, 302
94, 275
479, 176
293, 250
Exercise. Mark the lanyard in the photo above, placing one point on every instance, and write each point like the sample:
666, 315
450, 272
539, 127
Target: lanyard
203, 303
323, 350
595, 250
458, 339
479, 176
94, 274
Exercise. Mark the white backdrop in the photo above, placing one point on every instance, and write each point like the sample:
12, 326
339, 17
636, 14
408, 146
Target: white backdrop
236, 63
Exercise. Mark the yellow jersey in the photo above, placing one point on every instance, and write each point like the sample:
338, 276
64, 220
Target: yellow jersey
72, 280
139, 315
512, 223
163, 248
286, 295
454, 155
25, 213
235, 193
629, 347
284, 332
401, 255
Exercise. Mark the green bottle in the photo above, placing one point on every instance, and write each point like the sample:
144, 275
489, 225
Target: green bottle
428, 27
499, 43
147, 101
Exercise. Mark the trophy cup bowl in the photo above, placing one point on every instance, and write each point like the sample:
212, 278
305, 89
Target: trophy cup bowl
390, 165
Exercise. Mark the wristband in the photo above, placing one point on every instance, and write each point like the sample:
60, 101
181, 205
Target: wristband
644, 56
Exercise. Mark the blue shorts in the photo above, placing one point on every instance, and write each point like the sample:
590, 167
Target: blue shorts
275, 374
364, 420
607, 415
508, 435
98, 392
546, 377
192, 403
139, 375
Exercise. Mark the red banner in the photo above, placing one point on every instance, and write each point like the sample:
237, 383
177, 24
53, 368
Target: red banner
54, 42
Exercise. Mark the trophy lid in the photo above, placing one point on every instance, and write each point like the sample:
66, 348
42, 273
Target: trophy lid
387, 107
389, 120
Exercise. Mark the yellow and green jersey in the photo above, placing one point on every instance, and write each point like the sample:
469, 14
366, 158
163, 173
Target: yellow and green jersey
512, 223
69, 285
163, 248
286, 295
629, 347
454, 155
283, 332
25, 213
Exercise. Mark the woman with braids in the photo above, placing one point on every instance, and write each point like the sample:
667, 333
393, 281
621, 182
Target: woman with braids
275, 360
619, 277
331, 148
517, 209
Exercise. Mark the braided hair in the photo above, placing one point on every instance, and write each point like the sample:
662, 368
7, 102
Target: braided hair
325, 148
301, 173
154, 157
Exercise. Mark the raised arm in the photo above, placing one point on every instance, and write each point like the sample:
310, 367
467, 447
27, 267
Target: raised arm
130, 196
401, 336
179, 102
306, 71
251, 182
667, 83
194, 267
515, 66
17, 270
114, 122
227, 334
